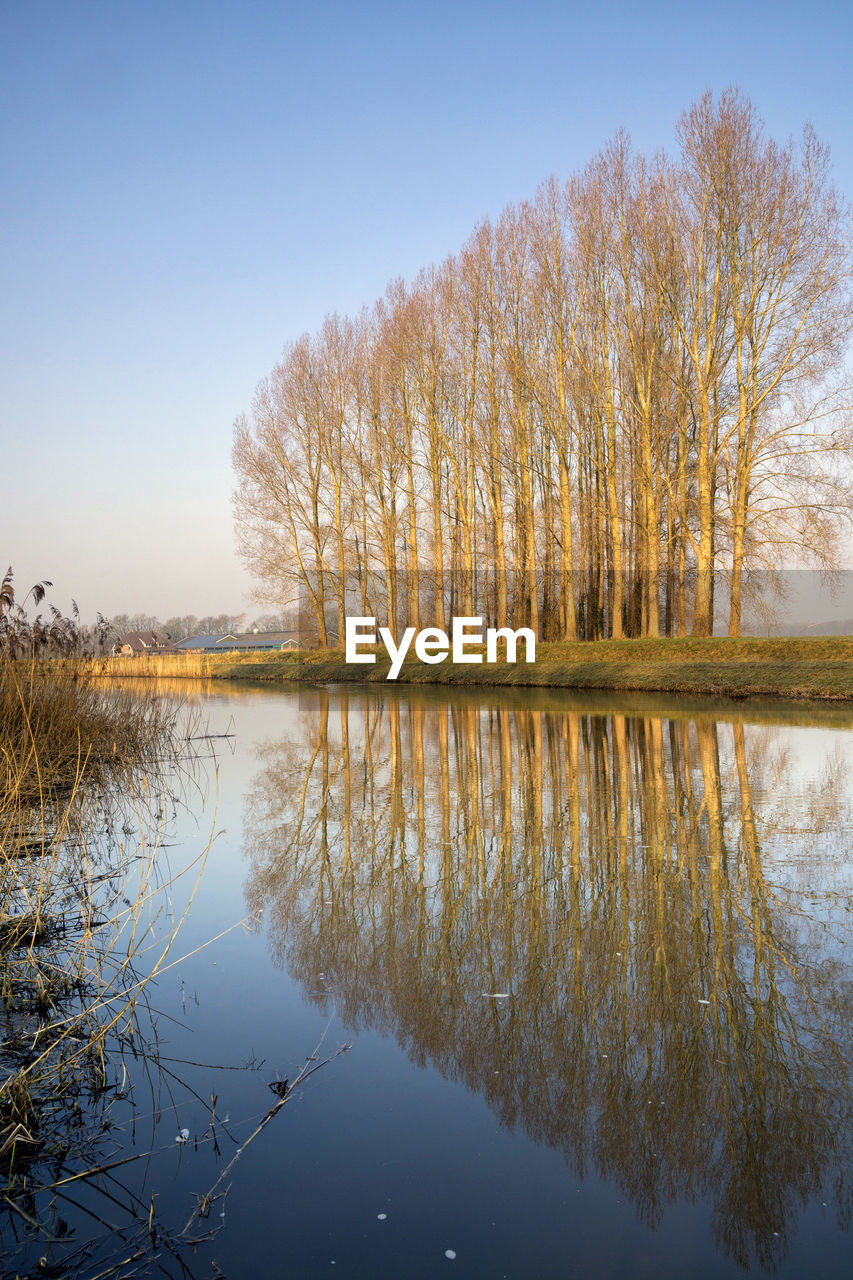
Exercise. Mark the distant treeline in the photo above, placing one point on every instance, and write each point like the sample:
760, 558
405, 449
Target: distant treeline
615, 399
181, 628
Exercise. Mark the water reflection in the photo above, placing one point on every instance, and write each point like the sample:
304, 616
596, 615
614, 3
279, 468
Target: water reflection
679, 1002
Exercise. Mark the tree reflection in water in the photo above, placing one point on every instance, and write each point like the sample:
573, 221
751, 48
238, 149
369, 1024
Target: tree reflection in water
679, 1015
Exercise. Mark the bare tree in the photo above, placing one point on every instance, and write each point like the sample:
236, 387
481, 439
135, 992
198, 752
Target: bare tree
606, 401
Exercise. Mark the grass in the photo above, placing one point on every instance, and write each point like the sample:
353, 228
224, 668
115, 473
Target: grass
57, 727
81, 803
816, 667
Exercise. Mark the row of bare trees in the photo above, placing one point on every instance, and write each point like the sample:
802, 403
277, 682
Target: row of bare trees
619, 396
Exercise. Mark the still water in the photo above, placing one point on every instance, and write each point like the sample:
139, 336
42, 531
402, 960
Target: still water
592, 956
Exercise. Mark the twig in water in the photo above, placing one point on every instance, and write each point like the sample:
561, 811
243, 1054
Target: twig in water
306, 1071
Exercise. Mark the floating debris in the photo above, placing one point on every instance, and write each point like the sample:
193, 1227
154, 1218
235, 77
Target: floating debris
382, 1216
183, 1136
450, 1253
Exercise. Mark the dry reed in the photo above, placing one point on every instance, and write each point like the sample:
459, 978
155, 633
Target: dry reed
82, 799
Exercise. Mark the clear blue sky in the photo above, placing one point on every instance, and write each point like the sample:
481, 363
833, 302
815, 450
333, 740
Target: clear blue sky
188, 185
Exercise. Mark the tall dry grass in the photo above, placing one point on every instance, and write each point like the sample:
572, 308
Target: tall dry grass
83, 795
194, 666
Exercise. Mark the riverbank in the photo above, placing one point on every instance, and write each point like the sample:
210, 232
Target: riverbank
815, 667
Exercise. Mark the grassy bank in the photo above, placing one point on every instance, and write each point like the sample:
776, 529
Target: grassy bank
792, 667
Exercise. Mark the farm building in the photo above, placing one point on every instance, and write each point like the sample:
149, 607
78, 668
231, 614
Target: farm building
252, 642
142, 642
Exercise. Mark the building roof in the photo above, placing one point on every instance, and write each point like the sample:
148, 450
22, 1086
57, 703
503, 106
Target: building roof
249, 640
265, 639
144, 642
202, 642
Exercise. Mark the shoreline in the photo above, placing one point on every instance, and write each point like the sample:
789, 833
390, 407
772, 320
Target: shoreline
787, 668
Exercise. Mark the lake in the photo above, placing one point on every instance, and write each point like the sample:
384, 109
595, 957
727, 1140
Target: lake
592, 957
